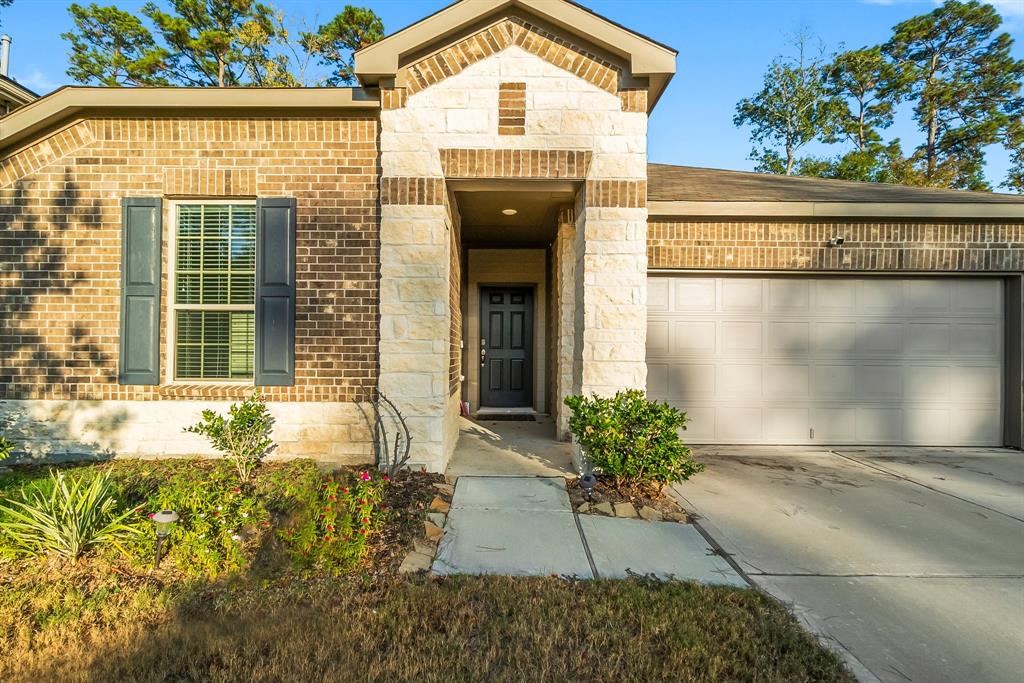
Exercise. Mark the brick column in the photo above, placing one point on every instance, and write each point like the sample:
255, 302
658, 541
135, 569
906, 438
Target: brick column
415, 317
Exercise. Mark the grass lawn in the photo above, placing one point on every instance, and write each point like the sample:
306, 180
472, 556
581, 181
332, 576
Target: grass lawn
266, 613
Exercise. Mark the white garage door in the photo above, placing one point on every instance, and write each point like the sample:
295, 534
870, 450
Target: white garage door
829, 360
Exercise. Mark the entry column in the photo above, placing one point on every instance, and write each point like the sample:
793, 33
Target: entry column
414, 313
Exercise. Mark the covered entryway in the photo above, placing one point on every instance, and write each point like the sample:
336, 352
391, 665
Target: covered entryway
830, 359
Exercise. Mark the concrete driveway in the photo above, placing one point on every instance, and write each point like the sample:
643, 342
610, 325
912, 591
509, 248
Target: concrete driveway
909, 560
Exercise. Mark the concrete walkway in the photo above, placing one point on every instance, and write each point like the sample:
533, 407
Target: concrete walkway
494, 447
910, 560
525, 526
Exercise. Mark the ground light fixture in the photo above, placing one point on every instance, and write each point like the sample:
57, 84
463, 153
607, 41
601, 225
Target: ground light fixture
587, 482
163, 521
510, 212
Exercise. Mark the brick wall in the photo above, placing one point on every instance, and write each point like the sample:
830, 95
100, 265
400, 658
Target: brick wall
801, 245
60, 246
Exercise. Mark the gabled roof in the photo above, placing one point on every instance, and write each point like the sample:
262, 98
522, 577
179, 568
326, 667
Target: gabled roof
645, 57
48, 111
689, 190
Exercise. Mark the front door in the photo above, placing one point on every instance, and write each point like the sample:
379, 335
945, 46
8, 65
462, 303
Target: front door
506, 347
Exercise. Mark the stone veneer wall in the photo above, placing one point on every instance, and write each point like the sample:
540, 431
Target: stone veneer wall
60, 231
563, 313
778, 243
442, 122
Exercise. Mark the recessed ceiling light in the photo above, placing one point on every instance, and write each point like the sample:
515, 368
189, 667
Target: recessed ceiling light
509, 212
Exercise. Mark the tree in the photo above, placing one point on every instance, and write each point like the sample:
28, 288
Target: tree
865, 88
964, 83
111, 47
790, 110
205, 39
1014, 141
335, 42
5, 3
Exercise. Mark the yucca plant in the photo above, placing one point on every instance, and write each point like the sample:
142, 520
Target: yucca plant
66, 518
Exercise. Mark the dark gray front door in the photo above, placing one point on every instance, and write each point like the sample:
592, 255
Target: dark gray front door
506, 347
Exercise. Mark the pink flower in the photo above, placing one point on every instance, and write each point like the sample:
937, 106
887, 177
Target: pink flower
386, 478
365, 476
151, 515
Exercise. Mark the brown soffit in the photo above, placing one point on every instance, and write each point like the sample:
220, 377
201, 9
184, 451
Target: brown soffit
68, 101
647, 58
902, 210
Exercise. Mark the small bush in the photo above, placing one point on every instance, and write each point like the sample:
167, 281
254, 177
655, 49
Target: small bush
66, 515
243, 436
335, 521
631, 439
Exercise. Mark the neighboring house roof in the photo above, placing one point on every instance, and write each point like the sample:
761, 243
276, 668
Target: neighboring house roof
646, 58
14, 94
689, 190
68, 101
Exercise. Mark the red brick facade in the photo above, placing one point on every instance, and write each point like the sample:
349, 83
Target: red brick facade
60, 232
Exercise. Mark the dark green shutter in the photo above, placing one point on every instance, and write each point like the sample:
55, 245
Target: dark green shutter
275, 292
141, 233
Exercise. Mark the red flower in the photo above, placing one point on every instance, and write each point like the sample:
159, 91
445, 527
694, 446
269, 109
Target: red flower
333, 499
345, 490
266, 524
330, 527
151, 515
366, 520
237, 489
365, 476
386, 478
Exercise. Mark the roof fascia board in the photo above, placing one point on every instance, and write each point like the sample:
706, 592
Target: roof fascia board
16, 92
840, 209
69, 101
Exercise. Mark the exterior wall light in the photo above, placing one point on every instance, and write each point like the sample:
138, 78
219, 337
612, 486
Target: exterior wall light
509, 212
163, 521
837, 242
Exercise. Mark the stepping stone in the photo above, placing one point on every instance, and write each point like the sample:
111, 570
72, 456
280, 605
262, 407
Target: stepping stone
651, 514
424, 547
584, 508
432, 531
446, 489
536, 494
437, 518
604, 509
415, 562
662, 549
624, 510
512, 543
680, 517
439, 505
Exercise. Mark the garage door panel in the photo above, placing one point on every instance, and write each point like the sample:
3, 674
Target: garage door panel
739, 380
876, 338
742, 296
830, 360
657, 295
787, 425
790, 339
928, 339
976, 339
698, 294
691, 380
694, 337
835, 339
787, 381
739, 424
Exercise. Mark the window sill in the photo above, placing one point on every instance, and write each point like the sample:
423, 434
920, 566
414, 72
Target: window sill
213, 390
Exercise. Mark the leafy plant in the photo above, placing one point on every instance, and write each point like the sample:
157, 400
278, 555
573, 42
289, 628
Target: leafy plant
243, 436
6, 448
66, 517
632, 439
335, 522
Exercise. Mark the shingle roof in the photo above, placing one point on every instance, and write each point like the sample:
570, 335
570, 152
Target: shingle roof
667, 183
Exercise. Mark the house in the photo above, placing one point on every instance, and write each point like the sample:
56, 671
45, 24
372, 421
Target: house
477, 221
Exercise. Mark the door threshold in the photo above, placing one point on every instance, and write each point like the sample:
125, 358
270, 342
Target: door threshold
506, 414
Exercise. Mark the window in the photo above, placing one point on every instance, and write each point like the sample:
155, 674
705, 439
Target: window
214, 291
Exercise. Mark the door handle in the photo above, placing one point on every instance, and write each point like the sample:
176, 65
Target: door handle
483, 351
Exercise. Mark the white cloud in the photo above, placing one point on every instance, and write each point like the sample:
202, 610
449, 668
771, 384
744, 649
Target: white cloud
1010, 9
39, 82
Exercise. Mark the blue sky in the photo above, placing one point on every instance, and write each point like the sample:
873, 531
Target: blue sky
724, 47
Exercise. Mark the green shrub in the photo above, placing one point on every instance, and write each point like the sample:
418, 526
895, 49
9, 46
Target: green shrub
219, 520
243, 436
632, 439
66, 515
335, 521
6, 448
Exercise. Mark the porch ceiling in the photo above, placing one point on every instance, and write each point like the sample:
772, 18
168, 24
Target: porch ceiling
483, 222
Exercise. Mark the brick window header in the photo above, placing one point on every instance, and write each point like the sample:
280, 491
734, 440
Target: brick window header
512, 109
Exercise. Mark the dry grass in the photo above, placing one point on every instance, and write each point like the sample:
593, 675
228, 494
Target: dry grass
456, 629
